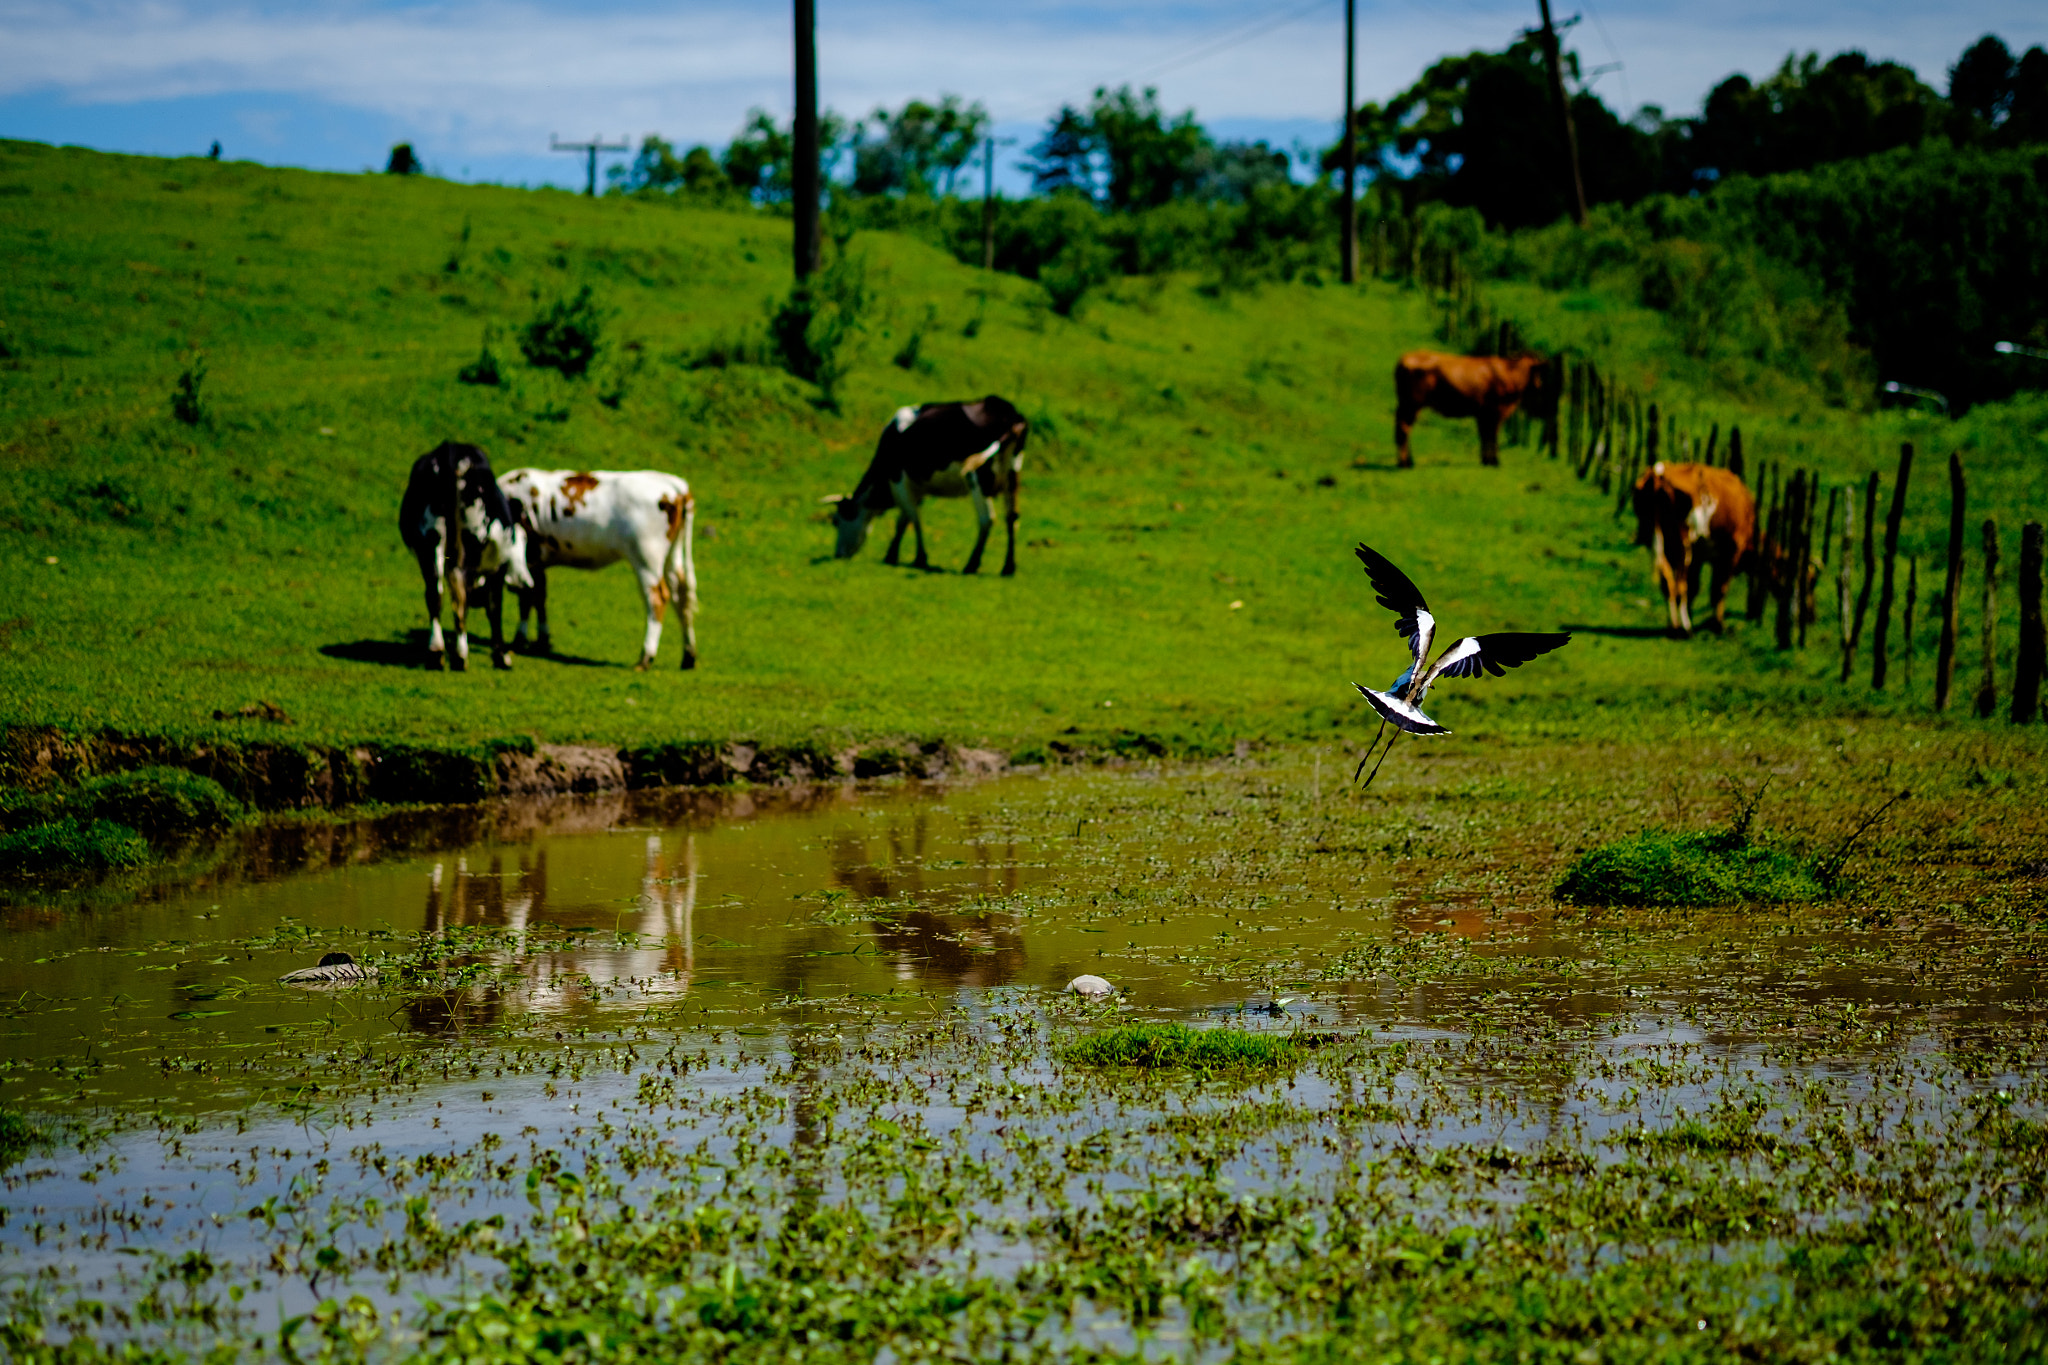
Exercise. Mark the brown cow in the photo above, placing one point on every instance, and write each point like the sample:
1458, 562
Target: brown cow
1488, 387
1679, 505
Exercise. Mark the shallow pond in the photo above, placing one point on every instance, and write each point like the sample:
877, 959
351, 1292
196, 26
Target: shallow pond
755, 1008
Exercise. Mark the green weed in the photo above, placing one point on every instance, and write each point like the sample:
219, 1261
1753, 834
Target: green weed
70, 844
1713, 868
1176, 1047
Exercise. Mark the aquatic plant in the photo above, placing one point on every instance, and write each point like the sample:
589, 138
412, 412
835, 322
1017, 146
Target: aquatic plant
1178, 1047
1722, 867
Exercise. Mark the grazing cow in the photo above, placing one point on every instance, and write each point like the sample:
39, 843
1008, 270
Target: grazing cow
1677, 507
939, 450
459, 528
1488, 387
586, 519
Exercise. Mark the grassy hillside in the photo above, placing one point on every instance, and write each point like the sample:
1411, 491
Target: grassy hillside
1191, 452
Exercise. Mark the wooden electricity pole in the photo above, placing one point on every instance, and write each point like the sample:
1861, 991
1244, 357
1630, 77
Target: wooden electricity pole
988, 199
590, 149
804, 173
1349, 266
1575, 187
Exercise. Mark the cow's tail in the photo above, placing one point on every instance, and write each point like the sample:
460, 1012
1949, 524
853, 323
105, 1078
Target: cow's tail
678, 566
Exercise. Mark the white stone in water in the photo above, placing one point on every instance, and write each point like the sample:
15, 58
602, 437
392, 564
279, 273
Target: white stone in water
1090, 987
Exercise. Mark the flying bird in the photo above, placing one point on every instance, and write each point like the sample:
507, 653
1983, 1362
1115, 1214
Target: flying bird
1401, 704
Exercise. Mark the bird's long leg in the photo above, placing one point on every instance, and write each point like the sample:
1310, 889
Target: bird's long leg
1383, 758
1368, 749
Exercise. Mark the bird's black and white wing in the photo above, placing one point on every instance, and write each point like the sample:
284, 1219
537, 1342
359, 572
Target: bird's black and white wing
1398, 594
1496, 654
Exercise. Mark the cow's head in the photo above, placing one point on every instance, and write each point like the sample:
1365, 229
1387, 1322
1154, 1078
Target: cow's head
501, 543
850, 518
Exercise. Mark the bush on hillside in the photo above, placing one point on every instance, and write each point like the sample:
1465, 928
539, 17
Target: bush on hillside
72, 845
163, 803
564, 335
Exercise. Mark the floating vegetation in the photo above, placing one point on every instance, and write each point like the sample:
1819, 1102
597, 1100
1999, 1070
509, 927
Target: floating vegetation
1176, 1047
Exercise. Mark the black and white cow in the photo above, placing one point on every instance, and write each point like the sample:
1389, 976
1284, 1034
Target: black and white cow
586, 519
939, 450
464, 534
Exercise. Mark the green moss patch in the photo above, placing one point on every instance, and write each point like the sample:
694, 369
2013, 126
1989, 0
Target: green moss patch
160, 802
73, 845
1715, 868
1162, 1047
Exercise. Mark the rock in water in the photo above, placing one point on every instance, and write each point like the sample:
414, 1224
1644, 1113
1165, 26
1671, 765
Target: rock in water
335, 969
1090, 987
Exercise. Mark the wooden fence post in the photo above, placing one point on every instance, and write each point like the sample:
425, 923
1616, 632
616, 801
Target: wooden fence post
1787, 572
1891, 557
1869, 571
1951, 596
1842, 580
1735, 451
1808, 575
1763, 575
1827, 540
1713, 439
2026, 670
1987, 683
1912, 596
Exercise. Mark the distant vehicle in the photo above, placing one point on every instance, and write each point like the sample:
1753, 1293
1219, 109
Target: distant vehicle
458, 526
1487, 387
1678, 506
939, 450
586, 519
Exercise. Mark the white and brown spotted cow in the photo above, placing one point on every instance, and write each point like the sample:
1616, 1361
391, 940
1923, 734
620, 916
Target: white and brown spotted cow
1689, 515
586, 519
939, 450
465, 536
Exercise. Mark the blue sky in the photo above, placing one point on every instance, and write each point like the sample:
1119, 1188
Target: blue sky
478, 86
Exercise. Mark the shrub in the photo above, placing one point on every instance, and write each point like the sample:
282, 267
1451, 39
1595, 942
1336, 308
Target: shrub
1178, 1047
186, 404
73, 845
1079, 267
484, 369
1716, 868
812, 331
160, 802
564, 335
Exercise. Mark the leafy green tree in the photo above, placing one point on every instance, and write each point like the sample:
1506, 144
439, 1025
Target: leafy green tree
1809, 113
2007, 96
657, 168
1063, 161
760, 161
1150, 159
921, 148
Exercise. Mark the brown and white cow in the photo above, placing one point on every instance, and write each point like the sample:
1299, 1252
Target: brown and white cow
586, 519
939, 450
1487, 387
458, 526
1678, 506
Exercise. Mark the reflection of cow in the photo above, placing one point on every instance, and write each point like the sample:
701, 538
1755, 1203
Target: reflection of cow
584, 519
464, 534
1680, 505
939, 450
1488, 387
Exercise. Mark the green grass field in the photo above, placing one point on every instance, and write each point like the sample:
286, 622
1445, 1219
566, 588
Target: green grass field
1200, 466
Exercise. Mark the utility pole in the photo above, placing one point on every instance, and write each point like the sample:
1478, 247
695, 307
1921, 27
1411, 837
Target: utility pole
804, 174
988, 199
590, 149
1576, 188
1349, 269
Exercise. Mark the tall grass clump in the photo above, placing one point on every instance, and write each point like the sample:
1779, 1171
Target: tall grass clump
164, 803
1719, 867
1176, 1047
564, 335
18, 1137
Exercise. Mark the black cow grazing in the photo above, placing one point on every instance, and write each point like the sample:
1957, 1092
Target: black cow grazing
939, 450
464, 533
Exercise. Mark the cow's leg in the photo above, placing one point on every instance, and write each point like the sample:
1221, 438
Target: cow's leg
1404, 422
534, 600
458, 602
682, 575
654, 592
1724, 571
1684, 580
494, 608
984, 522
430, 572
1489, 437
1010, 524
1660, 570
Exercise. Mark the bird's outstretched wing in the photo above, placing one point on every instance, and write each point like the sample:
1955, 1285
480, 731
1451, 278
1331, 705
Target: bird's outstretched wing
1496, 654
1398, 594
1400, 713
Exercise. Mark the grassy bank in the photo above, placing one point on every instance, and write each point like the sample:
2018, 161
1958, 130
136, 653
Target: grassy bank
1200, 465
